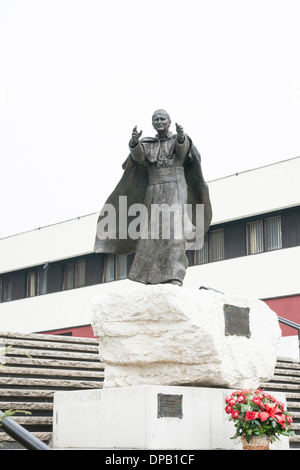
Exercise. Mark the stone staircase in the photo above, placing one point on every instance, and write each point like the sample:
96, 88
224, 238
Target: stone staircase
287, 379
34, 367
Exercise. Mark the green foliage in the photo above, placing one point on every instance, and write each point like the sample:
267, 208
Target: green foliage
11, 412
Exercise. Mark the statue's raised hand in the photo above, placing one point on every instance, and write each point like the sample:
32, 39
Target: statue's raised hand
135, 136
180, 132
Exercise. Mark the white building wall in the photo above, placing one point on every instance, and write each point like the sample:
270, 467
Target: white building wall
63, 309
270, 274
256, 191
255, 276
52, 243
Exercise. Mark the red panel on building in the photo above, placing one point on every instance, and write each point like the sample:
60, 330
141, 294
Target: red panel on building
85, 331
286, 307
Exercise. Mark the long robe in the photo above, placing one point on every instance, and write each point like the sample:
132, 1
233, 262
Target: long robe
158, 172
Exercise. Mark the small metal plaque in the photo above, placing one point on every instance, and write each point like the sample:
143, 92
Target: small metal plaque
237, 320
169, 406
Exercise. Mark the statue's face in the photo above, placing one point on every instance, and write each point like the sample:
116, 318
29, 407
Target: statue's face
161, 122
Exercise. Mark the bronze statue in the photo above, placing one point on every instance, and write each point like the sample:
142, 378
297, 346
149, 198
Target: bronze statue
164, 171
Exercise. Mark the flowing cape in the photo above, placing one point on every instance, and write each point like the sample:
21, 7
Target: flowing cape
133, 185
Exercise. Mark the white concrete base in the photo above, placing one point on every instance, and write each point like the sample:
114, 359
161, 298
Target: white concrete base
289, 347
127, 418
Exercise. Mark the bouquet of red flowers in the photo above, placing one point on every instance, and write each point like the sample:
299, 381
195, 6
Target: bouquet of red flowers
256, 413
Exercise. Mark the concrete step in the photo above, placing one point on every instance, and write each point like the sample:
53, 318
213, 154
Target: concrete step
50, 384
39, 337
288, 364
52, 354
294, 404
287, 379
28, 421
26, 406
50, 372
42, 436
49, 362
34, 367
30, 394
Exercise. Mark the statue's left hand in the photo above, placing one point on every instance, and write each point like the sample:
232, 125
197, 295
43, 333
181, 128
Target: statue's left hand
180, 132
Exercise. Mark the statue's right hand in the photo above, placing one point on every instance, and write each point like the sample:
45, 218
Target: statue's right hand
135, 135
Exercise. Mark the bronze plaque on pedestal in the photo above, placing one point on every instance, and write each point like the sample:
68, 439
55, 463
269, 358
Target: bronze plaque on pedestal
237, 320
169, 406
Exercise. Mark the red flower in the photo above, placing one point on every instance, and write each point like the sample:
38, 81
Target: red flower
228, 409
256, 400
241, 399
289, 419
251, 415
235, 414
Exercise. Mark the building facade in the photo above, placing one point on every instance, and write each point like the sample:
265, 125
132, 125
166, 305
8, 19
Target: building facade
49, 275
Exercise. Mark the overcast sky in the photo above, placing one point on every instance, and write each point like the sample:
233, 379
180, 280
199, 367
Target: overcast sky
77, 75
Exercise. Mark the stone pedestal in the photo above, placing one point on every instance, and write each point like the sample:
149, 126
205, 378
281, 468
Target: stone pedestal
169, 335
171, 356
146, 417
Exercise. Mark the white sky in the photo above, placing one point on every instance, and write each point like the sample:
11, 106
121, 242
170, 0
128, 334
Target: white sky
77, 75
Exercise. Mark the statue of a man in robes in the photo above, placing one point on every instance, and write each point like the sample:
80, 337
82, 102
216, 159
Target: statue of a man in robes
160, 172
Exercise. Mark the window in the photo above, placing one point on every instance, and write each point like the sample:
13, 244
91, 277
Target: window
263, 235
255, 237
36, 282
74, 274
5, 289
115, 268
121, 267
212, 250
201, 256
216, 248
273, 233
109, 268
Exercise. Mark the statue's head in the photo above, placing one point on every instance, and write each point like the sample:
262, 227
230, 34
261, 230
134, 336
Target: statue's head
161, 121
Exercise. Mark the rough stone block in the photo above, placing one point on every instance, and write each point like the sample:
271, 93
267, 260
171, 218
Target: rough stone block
169, 335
